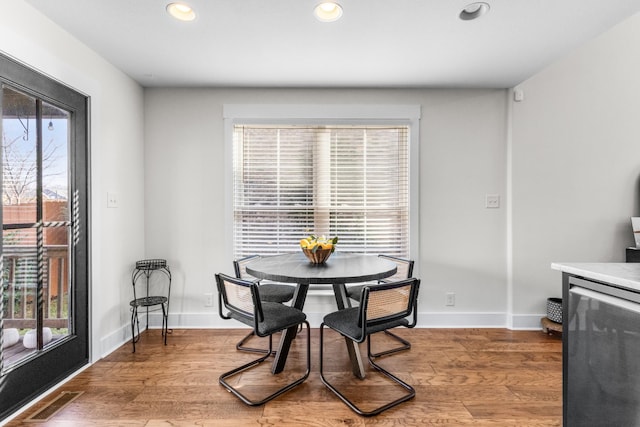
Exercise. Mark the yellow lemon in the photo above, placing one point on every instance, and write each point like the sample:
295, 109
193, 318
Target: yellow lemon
304, 243
326, 245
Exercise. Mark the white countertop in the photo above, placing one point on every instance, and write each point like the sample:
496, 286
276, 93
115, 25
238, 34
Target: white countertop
622, 274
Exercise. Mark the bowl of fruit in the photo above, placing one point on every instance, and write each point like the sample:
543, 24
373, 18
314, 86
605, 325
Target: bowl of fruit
318, 249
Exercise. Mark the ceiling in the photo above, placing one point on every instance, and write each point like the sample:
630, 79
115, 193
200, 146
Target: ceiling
377, 43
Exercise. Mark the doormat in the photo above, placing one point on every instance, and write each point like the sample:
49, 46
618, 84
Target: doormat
54, 406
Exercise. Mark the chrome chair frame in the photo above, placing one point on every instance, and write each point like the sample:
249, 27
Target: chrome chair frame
277, 293
257, 316
355, 292
358, 324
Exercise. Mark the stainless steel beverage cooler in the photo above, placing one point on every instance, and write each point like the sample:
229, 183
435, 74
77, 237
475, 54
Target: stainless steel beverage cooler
602, 355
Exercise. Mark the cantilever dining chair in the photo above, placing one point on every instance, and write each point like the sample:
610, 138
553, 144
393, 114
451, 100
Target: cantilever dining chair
382, 306
404, 271
242, 300
271, 292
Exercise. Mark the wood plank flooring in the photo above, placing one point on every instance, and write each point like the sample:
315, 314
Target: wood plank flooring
463, 377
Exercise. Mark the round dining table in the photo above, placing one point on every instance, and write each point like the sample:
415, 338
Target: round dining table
338, 270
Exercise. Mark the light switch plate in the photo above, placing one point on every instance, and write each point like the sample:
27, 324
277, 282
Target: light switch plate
112, 200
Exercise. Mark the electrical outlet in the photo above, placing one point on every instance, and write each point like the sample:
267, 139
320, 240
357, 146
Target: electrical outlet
492, 201
450, 299
208, 300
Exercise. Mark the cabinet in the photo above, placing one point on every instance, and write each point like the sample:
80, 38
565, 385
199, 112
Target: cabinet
601, 343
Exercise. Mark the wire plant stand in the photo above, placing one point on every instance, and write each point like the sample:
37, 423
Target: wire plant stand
145, 268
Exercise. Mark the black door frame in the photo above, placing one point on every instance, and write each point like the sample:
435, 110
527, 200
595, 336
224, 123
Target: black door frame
26, 381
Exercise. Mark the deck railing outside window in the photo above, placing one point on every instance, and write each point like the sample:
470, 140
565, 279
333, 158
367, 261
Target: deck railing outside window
20, 290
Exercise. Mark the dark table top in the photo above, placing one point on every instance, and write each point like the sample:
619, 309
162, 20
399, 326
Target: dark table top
339, 268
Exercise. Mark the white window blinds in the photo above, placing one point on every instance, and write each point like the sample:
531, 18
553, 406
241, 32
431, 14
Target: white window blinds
346, 181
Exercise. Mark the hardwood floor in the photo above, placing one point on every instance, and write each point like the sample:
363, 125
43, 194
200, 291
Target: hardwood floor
463, 377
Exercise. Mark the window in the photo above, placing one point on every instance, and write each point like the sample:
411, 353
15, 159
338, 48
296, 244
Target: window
322, 177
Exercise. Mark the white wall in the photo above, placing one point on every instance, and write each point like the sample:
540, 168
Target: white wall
576, 163
574, 177
116, 158
462, 158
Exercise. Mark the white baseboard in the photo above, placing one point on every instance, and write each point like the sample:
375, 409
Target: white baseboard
479, 320
425, 320
112, 341
526, 321
211, 320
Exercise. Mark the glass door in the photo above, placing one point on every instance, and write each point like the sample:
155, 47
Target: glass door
44, 305
36, 225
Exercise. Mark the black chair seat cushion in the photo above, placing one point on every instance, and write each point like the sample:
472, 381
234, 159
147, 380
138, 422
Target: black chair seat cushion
346, 323
276, 293
277, 317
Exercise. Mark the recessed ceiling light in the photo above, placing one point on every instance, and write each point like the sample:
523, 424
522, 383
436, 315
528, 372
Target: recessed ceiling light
181, 11
474, 11
328, 11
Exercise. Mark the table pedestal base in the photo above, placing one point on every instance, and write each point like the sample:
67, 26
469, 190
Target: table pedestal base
342, 300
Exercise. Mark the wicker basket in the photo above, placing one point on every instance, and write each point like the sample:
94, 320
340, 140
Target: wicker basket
319, 256
554, 309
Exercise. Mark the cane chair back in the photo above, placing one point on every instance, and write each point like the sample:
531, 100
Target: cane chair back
237, 297
240, 267
273, 292
404, 268
385, 303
